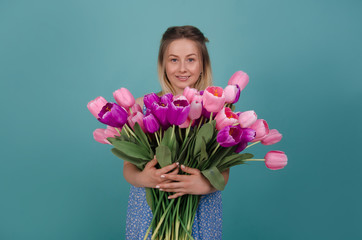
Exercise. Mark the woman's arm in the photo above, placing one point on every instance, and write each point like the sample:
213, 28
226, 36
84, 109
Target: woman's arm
195, 183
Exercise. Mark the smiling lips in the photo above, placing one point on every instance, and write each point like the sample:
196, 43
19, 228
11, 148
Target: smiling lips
182, 78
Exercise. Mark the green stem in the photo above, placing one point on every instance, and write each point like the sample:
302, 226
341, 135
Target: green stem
259, 160
162, 219
252, 144
158, 141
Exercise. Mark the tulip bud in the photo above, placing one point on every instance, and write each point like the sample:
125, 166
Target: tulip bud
151, 124
261, 128
232, 93
136, 108
149, 99
240, 78
275, 160
189, 93
136, 117
273, 137
195, 110
246, 119
101, 135
96, 105
124, 98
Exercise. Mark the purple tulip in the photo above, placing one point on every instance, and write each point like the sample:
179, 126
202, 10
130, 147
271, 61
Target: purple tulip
229, 136
159, 110
113, 115
151, 124
149, 99
178, 111
248, 135
241, 146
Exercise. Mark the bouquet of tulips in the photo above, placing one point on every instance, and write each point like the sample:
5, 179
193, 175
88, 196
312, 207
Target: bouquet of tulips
198, 129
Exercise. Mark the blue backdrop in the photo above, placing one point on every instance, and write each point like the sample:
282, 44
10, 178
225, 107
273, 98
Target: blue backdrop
304, 60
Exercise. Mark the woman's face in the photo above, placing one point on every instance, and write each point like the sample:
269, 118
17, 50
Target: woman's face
183, 64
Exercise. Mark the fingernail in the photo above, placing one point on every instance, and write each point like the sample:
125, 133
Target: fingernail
169, 197
177, 163
157, 186
161, 189
182, 166
162, 176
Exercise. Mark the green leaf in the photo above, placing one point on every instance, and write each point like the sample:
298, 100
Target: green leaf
233, 160
139, 163
203, 152
215, 178
206, 132
132, 149
141, 135
163, 155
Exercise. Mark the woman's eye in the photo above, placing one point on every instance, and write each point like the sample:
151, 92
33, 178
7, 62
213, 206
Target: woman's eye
173, 60
191, 59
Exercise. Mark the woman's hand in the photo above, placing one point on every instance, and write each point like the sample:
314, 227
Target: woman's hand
151, 176
195, 183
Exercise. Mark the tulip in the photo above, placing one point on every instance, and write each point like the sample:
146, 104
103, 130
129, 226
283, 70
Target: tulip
149, 99
151, 124
232, 93
189, 93
195, 110
229, 136
101, 135
225, 117
246, 119
205, 113
95, 106
241, 146
113, 115
124, 98
213, 99
273, 137
178, 111
261, 128
160, 109
275, 160
136, 108
240, 78
186, 124
136, 117
197, 97
248, 134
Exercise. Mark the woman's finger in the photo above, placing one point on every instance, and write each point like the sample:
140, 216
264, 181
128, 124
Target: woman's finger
176, 195
170, 186
167, 168
175, 177
190, 170
152, 163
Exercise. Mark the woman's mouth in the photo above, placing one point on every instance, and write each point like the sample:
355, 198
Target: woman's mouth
183, 78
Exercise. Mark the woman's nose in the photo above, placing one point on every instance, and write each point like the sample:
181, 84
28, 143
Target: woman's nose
182, 66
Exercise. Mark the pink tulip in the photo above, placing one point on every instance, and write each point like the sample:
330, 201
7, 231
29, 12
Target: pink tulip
96, 105
124, 98
195, 110
225, 118
136, 108
246, 119
273, 137
213, 99
189, 93
101, 135
136, 117
240, 78
232, 93
185, 124
275, 160
261, 128
197, 97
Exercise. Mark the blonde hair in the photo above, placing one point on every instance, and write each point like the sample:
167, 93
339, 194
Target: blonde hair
191, 33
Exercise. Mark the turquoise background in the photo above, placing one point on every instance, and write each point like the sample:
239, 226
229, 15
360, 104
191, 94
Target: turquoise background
304, 60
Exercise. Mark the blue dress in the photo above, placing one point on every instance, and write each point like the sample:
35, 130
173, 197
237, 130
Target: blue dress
207, 223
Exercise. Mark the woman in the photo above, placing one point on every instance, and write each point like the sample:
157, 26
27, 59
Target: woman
183, 60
